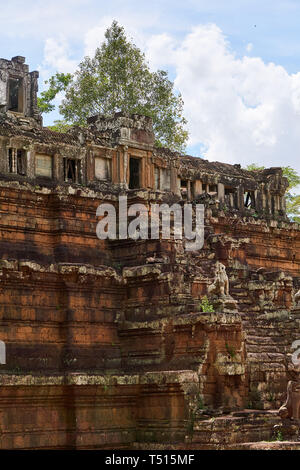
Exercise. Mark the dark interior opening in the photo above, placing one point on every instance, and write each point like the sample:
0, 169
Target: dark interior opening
17, 161
229, 190
134, 170
213, 188
10, 160
71, 170
249, 199
273, 205
231, 198
21, 162
15, 95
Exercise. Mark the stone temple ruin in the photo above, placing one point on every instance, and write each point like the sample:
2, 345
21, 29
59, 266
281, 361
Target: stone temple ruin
106, 341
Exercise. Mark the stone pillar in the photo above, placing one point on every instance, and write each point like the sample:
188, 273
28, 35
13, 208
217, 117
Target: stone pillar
240, 198
221, 192
30, 164
174, 183
57, 167
143, 173
125, 167
4, 159
14, 160
197, 188
283, 203
189, 194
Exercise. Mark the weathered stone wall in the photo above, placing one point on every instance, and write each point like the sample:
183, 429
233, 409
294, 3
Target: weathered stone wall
72, 304
16, 69
107, 343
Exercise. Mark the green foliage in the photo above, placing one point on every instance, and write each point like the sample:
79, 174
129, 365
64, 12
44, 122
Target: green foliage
254, 167
271, 396
200, 404
292, 176
205, 305
197, 408
57, 83
60, 126
279, 436
292, 199
293, 207
118, 79
230, 350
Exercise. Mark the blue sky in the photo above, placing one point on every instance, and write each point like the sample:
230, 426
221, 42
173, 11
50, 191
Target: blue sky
272, 26
236, 63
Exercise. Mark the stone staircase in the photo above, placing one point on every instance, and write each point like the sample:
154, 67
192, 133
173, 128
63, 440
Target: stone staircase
241, 430
270, 330
268, 342
237, 428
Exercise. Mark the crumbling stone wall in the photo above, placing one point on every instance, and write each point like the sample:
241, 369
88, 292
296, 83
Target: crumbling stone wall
18, 88
107, 342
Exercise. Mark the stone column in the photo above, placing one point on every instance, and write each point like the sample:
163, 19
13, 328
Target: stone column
221, 192
14, 160
56, 167
125, 167
189, 194
30, 163
240, 198
174, 184
197, 188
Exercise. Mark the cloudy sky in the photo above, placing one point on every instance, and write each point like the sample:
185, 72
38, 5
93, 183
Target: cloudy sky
236, 63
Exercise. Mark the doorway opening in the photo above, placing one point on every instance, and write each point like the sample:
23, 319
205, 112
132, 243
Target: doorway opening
71, 170
15, 95
134, 173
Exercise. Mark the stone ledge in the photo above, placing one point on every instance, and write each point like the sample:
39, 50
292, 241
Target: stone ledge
155, 378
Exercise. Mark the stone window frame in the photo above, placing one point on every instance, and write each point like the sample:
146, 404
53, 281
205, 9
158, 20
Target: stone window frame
157, 178
17, 161
212, 188
133, 156
249, 199
52, 164
231, 196
108, 158
22, 92
76, 170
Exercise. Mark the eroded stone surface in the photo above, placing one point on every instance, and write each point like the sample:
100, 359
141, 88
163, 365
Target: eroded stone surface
107, 342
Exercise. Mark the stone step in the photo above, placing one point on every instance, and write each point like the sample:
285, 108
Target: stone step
263, 349
236, 428
266, 340
266, 445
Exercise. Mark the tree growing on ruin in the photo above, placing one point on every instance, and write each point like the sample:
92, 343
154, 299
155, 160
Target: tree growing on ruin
292, 199
118, 79
57, 84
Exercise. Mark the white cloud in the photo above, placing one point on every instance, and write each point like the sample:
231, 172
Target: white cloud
56, 59
249, 47
131, 23
57, 55
241, 109
160, 50
95, 36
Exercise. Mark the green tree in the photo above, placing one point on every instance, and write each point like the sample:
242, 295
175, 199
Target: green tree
118, 79
57, 83
60, 125
292, 199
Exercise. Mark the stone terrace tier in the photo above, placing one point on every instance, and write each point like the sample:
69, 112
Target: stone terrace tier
111, 343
